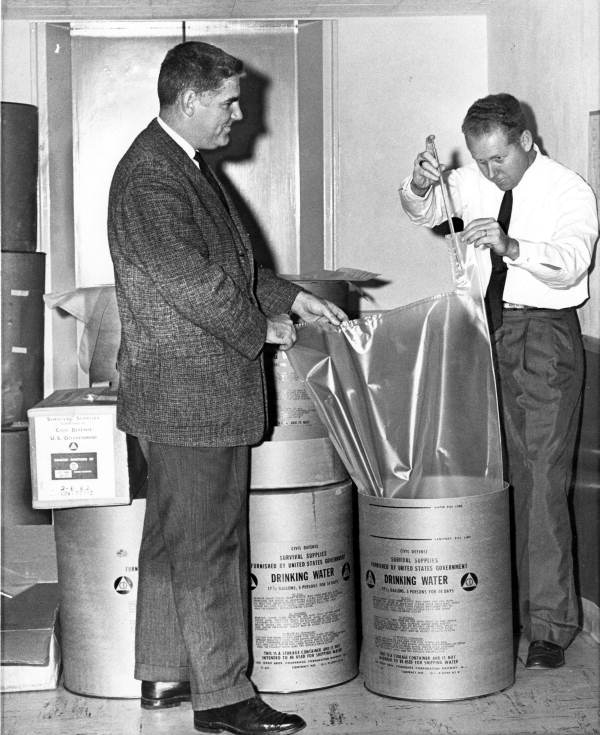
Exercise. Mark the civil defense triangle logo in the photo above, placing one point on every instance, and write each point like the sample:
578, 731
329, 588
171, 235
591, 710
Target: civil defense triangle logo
123, 585
469, 582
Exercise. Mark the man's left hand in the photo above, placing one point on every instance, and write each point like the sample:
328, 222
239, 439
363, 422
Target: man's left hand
487, 233
310, 308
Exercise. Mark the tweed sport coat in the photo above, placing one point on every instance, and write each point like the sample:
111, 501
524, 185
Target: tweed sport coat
192, 303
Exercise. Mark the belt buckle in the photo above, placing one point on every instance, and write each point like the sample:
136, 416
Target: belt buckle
513, 307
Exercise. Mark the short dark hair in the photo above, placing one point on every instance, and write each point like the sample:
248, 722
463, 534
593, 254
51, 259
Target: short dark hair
495, 111
194, 65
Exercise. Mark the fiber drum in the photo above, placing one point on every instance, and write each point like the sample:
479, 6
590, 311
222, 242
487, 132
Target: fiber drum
97, 553
288, 397
302, 581
295, 457
436, 591
294, 405
22, 280
18, 174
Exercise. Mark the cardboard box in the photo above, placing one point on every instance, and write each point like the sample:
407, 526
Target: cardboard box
30, 652
28, 557
78, 456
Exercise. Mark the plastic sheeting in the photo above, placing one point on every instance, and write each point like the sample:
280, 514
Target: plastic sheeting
409, 394
96, 307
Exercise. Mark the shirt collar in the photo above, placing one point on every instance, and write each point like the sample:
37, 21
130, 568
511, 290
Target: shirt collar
532, 167
182, 142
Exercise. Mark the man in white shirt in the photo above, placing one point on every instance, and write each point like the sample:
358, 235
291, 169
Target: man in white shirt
533, 224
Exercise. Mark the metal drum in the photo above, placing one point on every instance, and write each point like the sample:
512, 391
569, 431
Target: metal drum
302, 581
436, 591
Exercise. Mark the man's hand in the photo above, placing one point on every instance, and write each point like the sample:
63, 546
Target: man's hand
487, 233
310, 308
425, 171
280, 331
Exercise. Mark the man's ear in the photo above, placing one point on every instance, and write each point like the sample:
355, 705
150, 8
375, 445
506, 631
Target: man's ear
187, 101
526, 140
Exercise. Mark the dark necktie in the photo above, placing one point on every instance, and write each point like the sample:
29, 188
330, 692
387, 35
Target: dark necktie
210, 177
495, 289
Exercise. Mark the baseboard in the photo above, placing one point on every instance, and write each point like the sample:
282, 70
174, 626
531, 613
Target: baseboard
591, 618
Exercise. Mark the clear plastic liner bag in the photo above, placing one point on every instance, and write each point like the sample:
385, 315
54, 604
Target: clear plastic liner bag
409, 395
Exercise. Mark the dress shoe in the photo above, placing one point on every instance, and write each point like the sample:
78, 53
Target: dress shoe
162, 694
250, 717
544, 655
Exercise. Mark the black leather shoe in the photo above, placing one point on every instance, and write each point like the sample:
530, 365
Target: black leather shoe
544, 655
250, 717
162, 694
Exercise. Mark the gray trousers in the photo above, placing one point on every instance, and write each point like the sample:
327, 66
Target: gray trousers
540, 369
192, 605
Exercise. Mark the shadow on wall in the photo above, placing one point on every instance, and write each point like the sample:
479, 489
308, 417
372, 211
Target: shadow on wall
532, 126
242, 148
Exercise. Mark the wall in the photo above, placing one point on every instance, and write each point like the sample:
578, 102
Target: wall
18, 62
114, 97
550, 60
115, 67
398, 80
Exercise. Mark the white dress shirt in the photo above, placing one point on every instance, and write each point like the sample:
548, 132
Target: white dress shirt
554, 219
182, 142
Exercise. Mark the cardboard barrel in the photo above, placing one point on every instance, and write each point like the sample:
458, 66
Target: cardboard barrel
302, 582
97, 555
290, 403
19, 173
295, 458
436, 591
293, 404
22, 279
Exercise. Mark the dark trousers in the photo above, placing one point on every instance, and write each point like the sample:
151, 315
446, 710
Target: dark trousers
540, 369
192, 606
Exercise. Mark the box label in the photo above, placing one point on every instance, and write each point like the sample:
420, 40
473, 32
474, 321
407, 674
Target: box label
74, 466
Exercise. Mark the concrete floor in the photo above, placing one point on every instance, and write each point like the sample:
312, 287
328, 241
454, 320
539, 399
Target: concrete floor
561, 702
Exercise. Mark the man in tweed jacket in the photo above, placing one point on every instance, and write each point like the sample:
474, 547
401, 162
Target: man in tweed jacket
195, 314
